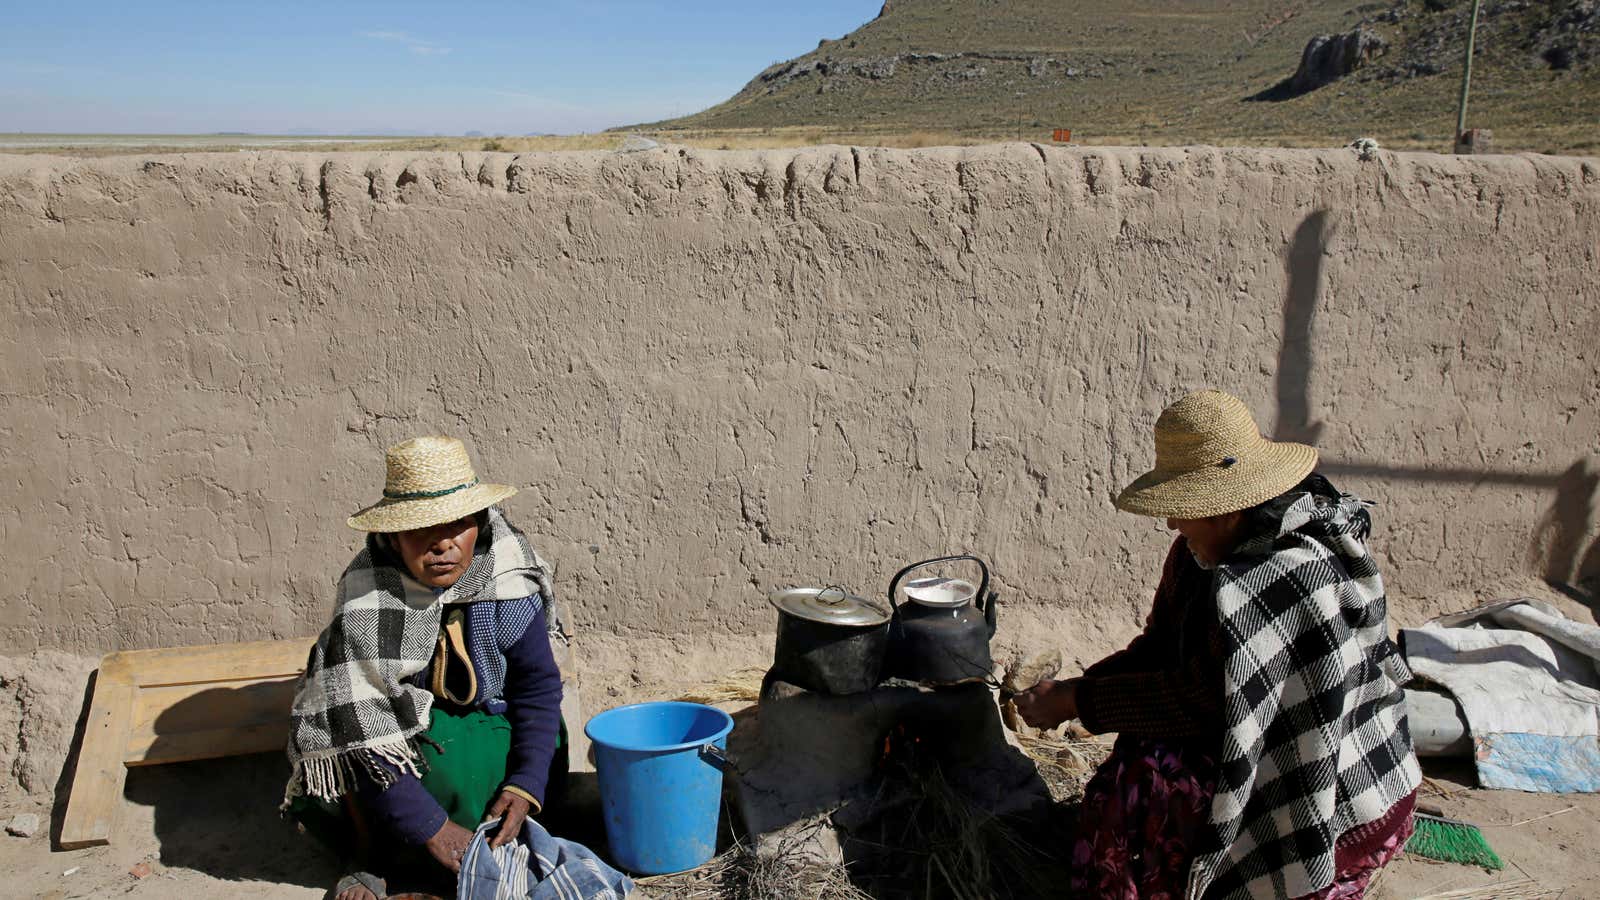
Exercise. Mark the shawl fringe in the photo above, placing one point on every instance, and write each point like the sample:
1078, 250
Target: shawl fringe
329, 776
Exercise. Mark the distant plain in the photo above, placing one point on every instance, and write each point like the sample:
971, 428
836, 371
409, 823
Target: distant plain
1135, 73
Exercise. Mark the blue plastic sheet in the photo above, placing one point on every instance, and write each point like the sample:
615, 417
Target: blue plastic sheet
1538, 762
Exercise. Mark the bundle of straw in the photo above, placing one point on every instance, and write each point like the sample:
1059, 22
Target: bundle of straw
743, 686
1516, 889
740, 873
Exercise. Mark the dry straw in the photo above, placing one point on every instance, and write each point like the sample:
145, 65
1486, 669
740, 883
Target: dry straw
1518, 889
1211, 460
743, 686
783, 872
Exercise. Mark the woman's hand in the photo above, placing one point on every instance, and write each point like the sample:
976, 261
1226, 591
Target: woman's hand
449, 845
512, 810
1048, 703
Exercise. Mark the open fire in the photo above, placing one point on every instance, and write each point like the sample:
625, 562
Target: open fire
901, 748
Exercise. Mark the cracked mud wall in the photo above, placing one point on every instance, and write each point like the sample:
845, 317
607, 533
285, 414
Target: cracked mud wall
715, 373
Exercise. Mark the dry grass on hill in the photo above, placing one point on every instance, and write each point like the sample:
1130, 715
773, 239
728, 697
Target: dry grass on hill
1167, 72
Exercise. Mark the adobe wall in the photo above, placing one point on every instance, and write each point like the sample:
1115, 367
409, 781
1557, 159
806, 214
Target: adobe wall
715, 373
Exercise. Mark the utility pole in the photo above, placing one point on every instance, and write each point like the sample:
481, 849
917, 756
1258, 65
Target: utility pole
1466, 72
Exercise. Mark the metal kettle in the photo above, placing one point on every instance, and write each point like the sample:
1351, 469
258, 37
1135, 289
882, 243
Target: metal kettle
940, 633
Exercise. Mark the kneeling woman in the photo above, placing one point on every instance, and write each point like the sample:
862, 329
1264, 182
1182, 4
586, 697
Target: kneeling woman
432, 700
1262, 748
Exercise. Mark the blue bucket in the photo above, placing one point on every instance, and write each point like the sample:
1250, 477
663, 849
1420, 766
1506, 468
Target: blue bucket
660, 770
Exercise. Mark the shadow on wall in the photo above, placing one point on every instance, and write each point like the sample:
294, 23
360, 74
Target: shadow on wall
1558, 542
1295, 353
1557, 550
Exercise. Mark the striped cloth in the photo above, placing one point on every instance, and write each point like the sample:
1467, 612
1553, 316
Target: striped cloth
536, 866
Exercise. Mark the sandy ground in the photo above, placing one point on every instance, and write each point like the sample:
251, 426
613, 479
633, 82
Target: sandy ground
1549, 838
202, 839
202, 842
206, 829
212, 829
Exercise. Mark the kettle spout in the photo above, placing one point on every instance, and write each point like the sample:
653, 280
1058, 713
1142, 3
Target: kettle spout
989, 612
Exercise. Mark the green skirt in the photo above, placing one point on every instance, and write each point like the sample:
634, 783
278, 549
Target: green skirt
464, 773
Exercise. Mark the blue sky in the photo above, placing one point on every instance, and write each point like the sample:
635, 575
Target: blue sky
421, 68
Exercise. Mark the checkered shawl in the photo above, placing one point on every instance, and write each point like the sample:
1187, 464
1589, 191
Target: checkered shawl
1315, 739
354, 705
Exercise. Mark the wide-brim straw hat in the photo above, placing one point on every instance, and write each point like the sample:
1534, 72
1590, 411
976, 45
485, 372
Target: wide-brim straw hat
1212, 460
429, 481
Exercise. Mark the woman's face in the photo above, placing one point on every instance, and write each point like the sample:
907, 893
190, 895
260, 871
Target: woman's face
439, 555
1211, 539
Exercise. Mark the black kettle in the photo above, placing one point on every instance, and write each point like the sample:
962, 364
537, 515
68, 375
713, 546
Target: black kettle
940, 633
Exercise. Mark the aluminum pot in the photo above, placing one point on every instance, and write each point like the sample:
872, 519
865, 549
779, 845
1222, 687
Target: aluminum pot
829, 640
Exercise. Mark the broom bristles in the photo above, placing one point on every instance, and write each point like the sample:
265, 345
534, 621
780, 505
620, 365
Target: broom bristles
1450, 841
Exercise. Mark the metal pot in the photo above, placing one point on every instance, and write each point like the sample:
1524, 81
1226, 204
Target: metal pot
940, 635
829, 640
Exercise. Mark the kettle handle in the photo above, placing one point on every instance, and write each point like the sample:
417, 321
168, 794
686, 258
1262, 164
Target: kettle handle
978, 600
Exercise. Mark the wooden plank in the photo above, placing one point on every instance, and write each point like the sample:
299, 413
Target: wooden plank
189, 703
218, 662
178, 704
178, 723
233, 740
96, 793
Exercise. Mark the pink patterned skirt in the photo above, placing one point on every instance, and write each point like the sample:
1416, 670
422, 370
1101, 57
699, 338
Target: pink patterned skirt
1142, 814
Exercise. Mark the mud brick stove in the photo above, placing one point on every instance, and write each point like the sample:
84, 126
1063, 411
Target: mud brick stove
863, 705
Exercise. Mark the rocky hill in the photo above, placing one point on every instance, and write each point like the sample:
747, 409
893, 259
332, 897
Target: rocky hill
1167, 71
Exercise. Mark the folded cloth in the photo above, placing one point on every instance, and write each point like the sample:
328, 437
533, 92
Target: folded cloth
535, 866
1527, 681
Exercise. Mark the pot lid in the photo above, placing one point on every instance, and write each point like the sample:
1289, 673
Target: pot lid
829, 605
941, 592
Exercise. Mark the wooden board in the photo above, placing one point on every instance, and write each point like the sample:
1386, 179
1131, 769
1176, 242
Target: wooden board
188, 703
97, 784
216, 662
207, 720
176, 705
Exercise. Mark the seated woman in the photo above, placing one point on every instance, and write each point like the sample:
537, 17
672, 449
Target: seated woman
432, 700
1262, 747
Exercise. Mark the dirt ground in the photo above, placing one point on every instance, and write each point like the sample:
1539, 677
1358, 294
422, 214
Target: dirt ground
211, 828
199, 841
203, 842
1546, 837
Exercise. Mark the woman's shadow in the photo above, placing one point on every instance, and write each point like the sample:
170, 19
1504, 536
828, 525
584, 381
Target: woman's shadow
220, 816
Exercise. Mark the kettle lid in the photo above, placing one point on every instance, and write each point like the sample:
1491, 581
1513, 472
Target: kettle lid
942, 593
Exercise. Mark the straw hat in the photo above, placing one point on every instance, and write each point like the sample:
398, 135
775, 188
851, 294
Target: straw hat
430, 481
1212, 460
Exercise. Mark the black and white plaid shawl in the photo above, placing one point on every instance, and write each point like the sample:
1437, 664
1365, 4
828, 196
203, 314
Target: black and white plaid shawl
1316, 741
354, 704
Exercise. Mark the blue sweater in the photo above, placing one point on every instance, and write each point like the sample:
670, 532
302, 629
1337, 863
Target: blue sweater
532, 702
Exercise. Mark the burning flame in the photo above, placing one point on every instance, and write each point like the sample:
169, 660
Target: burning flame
900, 747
